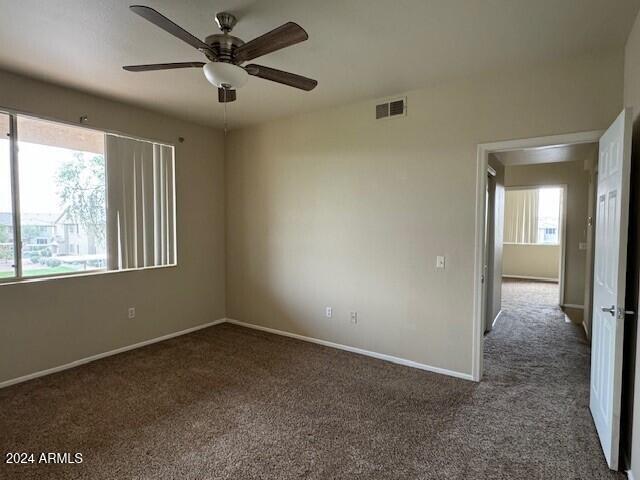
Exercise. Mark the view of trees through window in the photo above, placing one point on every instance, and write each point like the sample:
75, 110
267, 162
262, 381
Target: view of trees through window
62, 200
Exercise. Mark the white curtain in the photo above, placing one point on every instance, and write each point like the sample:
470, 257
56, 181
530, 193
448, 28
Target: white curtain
521, 216
140, 203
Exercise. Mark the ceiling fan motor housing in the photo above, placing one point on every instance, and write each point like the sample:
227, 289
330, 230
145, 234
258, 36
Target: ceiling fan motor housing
224, 45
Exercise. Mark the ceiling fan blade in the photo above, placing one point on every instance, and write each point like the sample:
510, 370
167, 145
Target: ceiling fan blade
168, 26
162, 66
284, 36
286, 78
226, 95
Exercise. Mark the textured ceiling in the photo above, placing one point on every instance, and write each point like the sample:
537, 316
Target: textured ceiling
357, 48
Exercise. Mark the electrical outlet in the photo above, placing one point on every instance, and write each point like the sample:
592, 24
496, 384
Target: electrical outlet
328, 312
132, 312
440, 261
354, 317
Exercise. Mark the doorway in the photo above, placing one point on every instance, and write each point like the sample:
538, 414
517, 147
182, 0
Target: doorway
542, 149
605, 319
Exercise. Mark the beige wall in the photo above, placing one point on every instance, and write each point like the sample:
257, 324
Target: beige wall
539, 261
576, 178
334, 208
632, 99
44, 324
632, 69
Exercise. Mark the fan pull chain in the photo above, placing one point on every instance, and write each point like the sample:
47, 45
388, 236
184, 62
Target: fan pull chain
225, 112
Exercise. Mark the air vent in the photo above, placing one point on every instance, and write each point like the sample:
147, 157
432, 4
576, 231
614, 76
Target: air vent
392, 108
382, 111
396, 108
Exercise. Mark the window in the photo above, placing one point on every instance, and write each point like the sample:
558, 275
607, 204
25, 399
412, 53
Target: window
549, 235
62, 190
532, 216
79, 200
549, 215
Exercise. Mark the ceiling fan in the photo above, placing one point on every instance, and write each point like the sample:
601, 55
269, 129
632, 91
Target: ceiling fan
226, 53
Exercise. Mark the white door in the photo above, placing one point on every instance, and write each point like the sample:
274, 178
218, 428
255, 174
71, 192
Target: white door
612, 214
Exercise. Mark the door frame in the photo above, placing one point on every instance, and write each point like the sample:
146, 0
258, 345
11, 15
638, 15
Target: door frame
483, 151
563, 229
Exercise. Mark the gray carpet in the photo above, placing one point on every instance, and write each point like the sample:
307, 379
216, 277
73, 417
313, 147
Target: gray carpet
232, 403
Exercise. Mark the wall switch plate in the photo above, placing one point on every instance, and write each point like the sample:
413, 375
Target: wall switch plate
328, 312
440, 261
354, 317
132, 312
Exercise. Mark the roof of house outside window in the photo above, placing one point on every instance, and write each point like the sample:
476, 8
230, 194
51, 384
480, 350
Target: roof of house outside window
30, 219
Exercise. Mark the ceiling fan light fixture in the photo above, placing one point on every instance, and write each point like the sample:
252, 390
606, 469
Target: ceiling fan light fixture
225, 75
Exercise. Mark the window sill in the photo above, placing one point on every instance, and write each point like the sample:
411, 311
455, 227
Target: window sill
61, 276
532, 244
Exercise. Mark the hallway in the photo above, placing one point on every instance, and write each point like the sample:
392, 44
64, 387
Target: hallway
523, 293
537, 365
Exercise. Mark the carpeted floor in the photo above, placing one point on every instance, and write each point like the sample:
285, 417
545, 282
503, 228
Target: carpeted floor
522, 295
232, 403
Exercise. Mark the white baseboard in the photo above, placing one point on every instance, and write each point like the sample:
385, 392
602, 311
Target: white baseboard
380, 356
82, 361
493, 324
572, 305
526, 277
586, 331
630, 475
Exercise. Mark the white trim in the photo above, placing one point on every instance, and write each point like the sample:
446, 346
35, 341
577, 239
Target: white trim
528, 277
630, 474
573, 305
532, 244
563, 240
586, 332
493, 324
540, 143
79, 274
380, 356
92, 358
477, 340
484, 149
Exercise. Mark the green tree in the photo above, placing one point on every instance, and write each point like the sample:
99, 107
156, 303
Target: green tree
81, 187
6, 235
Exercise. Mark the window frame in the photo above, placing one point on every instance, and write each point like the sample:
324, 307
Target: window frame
14, 172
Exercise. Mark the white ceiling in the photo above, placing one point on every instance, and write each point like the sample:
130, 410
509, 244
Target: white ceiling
357, 48
554, 154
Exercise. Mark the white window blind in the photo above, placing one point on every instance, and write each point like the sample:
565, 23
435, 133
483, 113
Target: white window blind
140, 199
